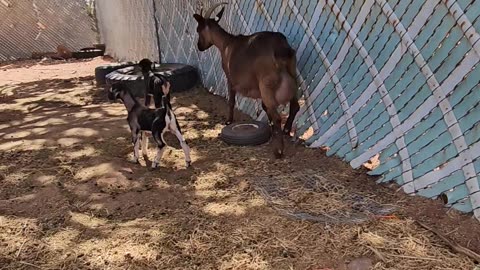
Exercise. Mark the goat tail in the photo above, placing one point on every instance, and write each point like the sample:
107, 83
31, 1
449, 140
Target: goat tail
285, 58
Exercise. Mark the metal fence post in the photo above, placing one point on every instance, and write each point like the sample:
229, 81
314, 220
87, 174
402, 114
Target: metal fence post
156, 31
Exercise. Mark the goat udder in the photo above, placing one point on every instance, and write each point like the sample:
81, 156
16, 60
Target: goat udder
286, 90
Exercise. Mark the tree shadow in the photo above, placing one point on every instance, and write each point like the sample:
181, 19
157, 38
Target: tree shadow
69, 197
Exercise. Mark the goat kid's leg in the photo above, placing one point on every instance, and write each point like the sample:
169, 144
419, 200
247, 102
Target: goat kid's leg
144, 144
136, 145
231, 104
175, 129
148, 100
161, 146
294, 108
158, 157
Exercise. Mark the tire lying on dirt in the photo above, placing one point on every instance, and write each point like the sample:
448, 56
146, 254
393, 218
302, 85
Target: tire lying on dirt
181, 77
88, 53
102, 71
246, 133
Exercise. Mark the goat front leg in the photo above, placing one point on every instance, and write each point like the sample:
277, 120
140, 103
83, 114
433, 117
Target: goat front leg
161, 146
175, 129
136, 145
231, 104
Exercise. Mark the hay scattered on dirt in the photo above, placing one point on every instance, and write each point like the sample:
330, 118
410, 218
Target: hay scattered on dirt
69, 198
308, 195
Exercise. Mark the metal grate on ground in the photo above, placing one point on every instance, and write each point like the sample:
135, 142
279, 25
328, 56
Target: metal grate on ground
310, 196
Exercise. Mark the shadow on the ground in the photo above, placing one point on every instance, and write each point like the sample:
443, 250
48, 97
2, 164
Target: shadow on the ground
70, 199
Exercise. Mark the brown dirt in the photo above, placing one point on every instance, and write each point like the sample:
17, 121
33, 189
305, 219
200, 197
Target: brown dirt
69, 198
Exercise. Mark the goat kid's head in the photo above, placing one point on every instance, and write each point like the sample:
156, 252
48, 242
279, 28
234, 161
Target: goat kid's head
116, 91
205, 25
146, 65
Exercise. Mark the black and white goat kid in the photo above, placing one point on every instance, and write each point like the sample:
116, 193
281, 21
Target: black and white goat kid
157, 121
153, 83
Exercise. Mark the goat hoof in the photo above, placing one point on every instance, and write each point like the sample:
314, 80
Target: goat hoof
188, 164
134, 161
229, 122
286, 132
278, 153
154, 165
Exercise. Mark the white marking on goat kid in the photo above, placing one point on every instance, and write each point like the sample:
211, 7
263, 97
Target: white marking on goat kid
160, 149
136, 150
175, 130
144, 140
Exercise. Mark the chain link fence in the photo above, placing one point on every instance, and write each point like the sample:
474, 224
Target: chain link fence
397, 80
38, 26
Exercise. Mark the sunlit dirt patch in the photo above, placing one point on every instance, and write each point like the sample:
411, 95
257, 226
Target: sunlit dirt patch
71, 199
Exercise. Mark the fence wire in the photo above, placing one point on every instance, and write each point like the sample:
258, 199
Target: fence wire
387, 78
39, 26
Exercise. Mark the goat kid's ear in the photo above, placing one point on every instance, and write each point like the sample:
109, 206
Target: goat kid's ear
198, 18
219, 14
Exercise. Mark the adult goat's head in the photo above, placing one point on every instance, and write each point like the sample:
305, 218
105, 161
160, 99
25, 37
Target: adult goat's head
205, 25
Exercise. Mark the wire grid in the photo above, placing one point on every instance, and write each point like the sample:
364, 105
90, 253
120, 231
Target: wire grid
41, 25
310, 196
397, 79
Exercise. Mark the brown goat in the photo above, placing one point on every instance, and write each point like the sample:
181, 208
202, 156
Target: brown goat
261, 65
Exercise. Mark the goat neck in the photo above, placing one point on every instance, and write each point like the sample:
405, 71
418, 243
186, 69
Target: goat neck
128, 101
220, 37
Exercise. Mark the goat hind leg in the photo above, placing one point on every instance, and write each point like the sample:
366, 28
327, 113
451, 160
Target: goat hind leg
158, 156
136, 145
294, 108
175, 128
231, 104
161, 146
277, 138
144, 144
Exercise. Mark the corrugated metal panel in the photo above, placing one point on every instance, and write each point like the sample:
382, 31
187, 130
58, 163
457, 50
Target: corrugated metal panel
394, 79
128, 29
28, 26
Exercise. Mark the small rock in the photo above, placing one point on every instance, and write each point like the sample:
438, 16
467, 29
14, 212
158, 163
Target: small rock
127, 170
128, 257
243, 185
362, 263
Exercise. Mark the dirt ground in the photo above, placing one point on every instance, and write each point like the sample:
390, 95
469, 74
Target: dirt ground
70, 198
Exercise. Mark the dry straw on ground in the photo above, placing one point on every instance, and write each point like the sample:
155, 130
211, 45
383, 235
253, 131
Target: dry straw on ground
69, 198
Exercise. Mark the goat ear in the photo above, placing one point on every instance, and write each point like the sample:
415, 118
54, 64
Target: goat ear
198, 18
219, 15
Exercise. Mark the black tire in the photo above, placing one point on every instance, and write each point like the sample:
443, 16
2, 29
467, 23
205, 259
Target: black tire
102, 71
246, 133
181, 77
87, 53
